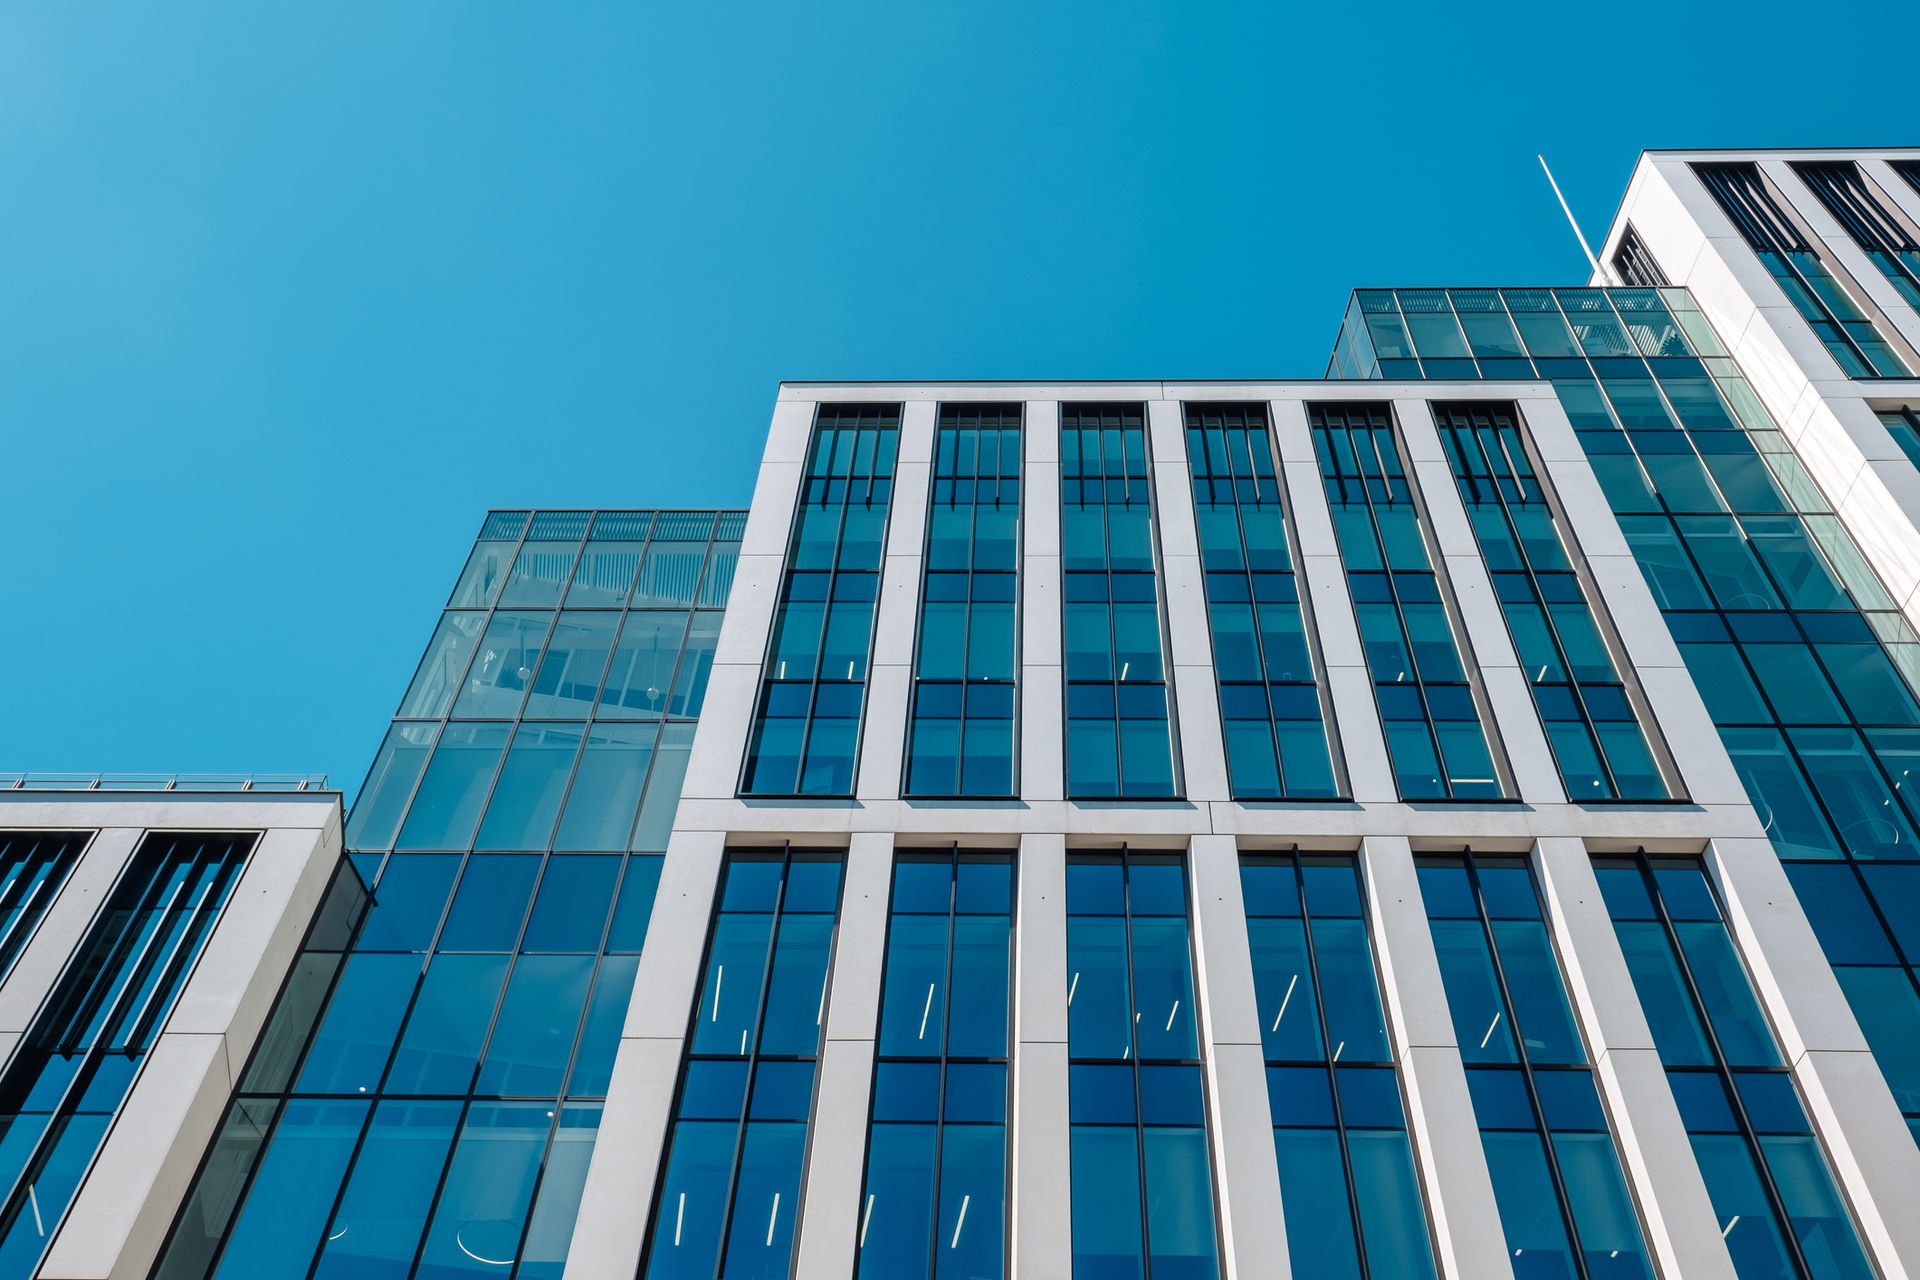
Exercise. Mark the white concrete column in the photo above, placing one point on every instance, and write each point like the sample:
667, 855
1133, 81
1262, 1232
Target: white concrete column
1362, 743
1043, 773
1848, 1100
1203, 748
1042, 1226
611, 1230
1656, 1154
837, 1136
883, 735
1446, 1137
1241, 1123
1487, 645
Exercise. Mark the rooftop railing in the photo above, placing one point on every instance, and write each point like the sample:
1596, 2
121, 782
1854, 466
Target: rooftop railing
219, 782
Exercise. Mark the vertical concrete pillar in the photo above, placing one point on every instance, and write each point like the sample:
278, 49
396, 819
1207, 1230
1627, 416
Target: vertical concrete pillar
1042, 688
1042, 1226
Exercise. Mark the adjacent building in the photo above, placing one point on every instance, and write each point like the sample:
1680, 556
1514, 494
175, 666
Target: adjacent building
1447, 818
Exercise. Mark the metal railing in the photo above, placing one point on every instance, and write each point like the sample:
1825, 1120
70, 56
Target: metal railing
163, 782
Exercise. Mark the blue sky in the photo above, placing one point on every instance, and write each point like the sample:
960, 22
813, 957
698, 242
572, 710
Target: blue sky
291, 293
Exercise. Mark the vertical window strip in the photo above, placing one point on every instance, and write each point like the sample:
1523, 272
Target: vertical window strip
1903, 424
1806, 665
1634, 265
813, 691
964, 723
1119, 728
83, 1051
1557, 1177
1773, 1191
730, 1182
1270, 698
1838, 321
1348, 1186
934, 1200
1422, 682
1593, 719
1907, 169
1879, 233
1142, 1183
33, 867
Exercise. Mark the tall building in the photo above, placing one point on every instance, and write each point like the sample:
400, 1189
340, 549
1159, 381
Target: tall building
1450, 818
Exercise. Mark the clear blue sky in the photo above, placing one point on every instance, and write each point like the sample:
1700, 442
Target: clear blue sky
291, 293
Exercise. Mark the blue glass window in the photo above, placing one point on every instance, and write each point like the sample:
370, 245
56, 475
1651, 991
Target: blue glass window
934, 1204
1347, 1181
1142, 1198
806, 732
33, 866
1780, 1210
1119, 728
1881, 235
1270, 701
963, 723
1594, 719
1424, 688
730, 1185
1556, 1174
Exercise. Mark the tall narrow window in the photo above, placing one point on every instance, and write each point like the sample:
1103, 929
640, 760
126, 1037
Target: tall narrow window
1907, 169
1142, 1200
935, 1199
1593, 720
1420, 677
964, 696
33, 866
77, 1062
1772, 1190
1270, 701
1836, 318
806, 733
1119, 735
1634, 265
1879, 232
1903, 424
1347, 1181
731, 1183
1556, 1175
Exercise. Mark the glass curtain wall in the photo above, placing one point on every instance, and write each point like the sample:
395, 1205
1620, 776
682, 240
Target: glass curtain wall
1876, 229
1421, 677
1119, 736
966, 665
1773, 1192
1837, 319
1563, 1200
730, 1187
1593, 719
1806, 663
934, 1204
1347, 1182
1270, 700
427, 1094
33, 866
79, 1057
1142, 1197
807, 732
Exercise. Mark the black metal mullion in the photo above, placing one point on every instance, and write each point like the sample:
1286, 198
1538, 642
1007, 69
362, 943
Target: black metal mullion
1723, 1068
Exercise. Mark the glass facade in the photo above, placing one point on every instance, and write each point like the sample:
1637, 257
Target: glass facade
934, 1204
964, 722
1271, 703
1837, 319
730, 1187
427, 1094
1142, 1200
1347, 1182
1556, 1175
33, 866
1595, 722
77, 1060
1903, 424
1422, 681
1119, 730
1634, 265
806, 734
1875, 228
1805, 661
1772, 1190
